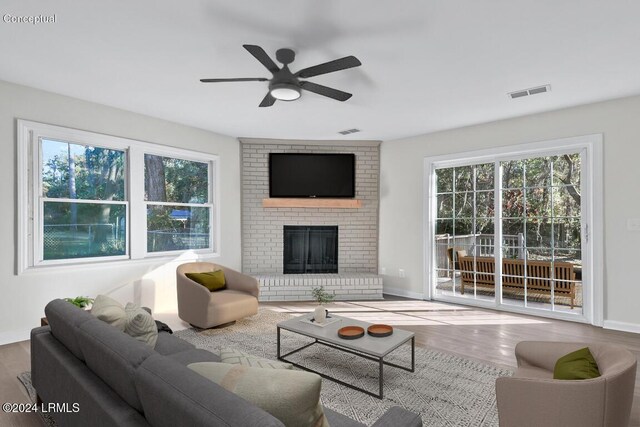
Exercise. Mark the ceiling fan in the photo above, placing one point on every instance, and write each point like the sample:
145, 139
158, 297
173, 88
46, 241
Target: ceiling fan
285, 85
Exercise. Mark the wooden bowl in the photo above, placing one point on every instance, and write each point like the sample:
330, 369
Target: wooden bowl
380, 331
351, 332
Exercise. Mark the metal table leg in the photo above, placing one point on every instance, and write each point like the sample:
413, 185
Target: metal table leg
413, 353
381, 378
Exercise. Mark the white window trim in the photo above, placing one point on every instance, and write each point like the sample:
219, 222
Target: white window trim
593, 179
29, 181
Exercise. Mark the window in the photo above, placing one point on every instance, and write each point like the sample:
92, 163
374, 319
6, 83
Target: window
517, 228
178, 208
82, 201
88, 197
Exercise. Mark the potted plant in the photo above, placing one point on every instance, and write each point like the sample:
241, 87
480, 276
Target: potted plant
84, 303
322, 297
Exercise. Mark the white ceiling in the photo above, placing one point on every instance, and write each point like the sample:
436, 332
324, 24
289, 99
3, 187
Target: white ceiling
427, 64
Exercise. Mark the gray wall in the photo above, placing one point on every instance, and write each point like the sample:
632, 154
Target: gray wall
401, 193
262, 236
149, 282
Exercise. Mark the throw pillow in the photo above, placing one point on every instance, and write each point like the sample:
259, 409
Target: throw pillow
109, 310
577, 365
212, 280
291, 396
237, 357
140, 325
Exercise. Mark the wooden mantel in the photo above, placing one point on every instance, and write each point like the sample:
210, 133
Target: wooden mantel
312, 203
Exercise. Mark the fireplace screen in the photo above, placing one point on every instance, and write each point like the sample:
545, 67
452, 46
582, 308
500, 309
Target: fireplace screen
310, 249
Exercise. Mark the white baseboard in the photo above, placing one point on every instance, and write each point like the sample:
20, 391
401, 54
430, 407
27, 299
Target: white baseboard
10, 337
402, 293
621, 326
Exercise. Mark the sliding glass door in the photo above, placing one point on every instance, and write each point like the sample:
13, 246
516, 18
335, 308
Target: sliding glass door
510, 231
464, 229
541, 201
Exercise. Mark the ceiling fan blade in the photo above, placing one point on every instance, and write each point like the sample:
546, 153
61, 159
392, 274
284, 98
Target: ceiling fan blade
268, 100
262, 56
329, 67
325, 91
242, 79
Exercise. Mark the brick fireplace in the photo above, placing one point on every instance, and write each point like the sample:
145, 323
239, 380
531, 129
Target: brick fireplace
263, 228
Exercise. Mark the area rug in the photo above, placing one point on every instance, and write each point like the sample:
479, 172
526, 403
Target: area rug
25, 379
446, 390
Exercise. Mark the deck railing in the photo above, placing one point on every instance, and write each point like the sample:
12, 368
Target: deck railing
480, 245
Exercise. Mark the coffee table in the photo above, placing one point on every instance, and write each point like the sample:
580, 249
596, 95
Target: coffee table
367, 347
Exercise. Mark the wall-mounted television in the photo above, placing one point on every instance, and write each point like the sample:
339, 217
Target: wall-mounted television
300, 175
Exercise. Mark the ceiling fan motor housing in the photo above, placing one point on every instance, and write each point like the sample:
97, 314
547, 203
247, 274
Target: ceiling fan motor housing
285, 56
284, 86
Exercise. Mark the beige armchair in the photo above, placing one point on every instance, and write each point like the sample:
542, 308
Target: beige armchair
204, 309
532, 398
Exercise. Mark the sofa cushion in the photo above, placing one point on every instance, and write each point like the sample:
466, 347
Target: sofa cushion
291, 396
170, 344
64, 319
140, 325
110, 311
194, 356
173, 395
61, 378
114, 357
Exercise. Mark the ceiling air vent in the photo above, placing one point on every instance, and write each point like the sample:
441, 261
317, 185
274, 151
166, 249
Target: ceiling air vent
532, 91
348, 131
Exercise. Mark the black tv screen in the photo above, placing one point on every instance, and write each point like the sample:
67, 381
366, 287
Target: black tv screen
311, 175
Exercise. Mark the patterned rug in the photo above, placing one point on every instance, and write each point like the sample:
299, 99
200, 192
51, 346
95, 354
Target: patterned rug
446, 390
25, 379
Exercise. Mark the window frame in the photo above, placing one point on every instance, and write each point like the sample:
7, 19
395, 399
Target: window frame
31, 200
592, 158
39, 200
210, 204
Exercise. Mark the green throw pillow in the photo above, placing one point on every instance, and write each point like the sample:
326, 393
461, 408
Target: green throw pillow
578, 365
212, 280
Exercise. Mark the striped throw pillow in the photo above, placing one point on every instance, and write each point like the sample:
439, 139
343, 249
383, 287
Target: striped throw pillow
109, 310
140, 325
237, 357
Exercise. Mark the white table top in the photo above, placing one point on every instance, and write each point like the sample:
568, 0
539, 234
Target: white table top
367, 344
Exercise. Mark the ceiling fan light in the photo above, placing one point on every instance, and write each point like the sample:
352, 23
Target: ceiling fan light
285, 92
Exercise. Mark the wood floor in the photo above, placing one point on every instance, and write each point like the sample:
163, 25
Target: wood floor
485, 335
14, 359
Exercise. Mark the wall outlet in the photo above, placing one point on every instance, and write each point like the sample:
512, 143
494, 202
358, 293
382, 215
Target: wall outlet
633, 224
401, 273
383, 270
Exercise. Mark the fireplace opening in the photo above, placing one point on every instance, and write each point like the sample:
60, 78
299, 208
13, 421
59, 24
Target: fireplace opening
310, 249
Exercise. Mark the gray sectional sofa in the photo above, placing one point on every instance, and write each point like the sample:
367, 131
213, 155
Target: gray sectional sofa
119, 381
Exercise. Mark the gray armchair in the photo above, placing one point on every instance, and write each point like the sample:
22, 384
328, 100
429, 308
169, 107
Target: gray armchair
204, 309
533, 398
